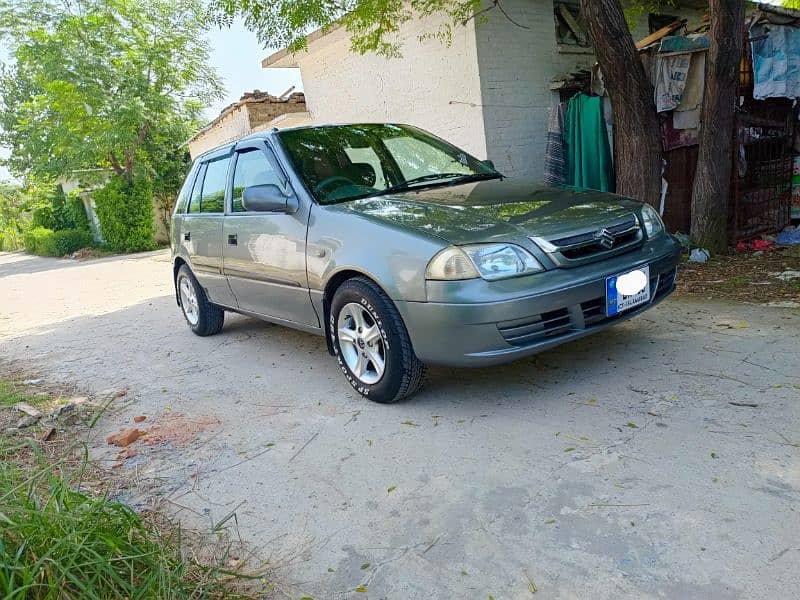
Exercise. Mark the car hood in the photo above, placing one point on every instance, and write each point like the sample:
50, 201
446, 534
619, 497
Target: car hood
495, 210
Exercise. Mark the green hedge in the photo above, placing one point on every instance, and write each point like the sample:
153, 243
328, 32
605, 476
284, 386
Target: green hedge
46, 242
125, 212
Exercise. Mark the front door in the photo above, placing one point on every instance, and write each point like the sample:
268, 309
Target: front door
201, 230
265, 253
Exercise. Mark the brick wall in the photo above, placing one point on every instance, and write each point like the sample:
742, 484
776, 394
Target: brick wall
252, 111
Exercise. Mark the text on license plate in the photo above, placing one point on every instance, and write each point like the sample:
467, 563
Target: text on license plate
627, 290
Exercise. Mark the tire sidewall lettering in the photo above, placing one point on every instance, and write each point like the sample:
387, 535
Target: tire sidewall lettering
360, 387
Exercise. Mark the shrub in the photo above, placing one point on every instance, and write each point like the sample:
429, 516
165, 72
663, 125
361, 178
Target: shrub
39, 240
46, 242
125, 212
53, 210
78, 212
68, 241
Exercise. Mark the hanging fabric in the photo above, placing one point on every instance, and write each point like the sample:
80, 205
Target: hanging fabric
671, 72
776, 61
555, 154
589, 162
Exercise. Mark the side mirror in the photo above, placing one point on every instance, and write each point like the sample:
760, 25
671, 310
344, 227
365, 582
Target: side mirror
264, 198
490, 164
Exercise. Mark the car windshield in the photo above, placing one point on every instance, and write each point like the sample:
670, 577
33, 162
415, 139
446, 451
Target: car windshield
345, 162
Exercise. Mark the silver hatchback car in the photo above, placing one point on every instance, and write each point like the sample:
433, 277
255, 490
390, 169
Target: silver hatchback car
403, 250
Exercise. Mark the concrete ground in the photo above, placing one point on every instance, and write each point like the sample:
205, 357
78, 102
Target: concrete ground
612, 467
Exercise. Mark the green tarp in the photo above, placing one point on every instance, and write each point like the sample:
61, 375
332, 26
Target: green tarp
589, 163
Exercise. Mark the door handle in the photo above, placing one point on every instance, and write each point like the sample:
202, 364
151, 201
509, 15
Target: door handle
233, 239
187, 236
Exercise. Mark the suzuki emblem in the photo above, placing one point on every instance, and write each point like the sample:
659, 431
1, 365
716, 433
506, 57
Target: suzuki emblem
605, 238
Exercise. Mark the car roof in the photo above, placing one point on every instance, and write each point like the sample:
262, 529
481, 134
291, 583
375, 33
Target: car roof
269, 133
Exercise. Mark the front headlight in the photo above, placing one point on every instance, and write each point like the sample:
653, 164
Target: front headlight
651, 220
490, 261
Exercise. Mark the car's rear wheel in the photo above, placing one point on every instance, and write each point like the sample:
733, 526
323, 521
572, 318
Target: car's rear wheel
203, 317
371, 343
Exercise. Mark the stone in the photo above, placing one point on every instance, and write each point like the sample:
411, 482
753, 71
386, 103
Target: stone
27, 422
28, 409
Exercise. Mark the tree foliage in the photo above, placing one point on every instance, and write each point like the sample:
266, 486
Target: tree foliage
101, 84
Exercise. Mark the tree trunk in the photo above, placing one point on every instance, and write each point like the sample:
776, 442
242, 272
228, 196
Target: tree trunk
712, 179
638, 134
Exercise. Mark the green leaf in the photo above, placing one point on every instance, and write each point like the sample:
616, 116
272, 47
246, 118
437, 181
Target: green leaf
390, 489
464, 573
714, 455
549, 521
365, 566
409, 423
570, 449
331, 570
532, 587
369, 442
361, 588
632, 425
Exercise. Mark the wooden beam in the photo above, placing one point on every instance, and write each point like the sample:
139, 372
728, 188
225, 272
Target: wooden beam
661, 33
577, 30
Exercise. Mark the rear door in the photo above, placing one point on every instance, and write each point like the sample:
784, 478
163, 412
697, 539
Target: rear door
265, 253
201, 230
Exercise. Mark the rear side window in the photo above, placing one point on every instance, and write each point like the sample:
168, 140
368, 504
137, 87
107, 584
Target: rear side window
252, 168
212, 198
194, 202
186, 190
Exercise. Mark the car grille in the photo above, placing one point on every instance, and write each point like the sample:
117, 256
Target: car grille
595, 244
535, 328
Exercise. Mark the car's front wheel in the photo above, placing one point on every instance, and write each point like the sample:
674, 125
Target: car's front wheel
202, 317
371, 343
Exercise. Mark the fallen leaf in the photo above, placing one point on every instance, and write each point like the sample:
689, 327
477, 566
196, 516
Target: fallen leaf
549, 521
139, 418
390, 489
361, 588
632, 425
743, 325
410, 423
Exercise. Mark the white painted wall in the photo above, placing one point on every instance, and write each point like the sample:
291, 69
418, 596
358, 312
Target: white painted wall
426, 87
516, 67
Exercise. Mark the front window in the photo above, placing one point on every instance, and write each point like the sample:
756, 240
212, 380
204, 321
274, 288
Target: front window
345, 162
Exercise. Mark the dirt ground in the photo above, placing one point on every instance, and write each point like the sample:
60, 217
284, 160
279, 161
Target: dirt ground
658, 459
758, 277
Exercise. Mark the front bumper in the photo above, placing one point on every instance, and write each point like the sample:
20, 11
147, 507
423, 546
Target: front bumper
529, 314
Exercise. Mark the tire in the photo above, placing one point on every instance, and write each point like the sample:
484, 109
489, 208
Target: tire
202, 317
360, 301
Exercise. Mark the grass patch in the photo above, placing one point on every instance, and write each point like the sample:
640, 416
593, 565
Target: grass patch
62, 535
11, 393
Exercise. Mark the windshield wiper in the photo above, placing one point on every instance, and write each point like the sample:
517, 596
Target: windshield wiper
452, 179
475, 177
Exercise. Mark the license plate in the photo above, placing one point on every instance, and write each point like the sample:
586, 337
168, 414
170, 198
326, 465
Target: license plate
617, 300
